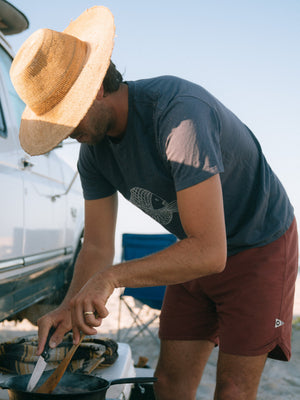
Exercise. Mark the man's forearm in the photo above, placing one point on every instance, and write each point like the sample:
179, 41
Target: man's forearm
202, 253
181, 262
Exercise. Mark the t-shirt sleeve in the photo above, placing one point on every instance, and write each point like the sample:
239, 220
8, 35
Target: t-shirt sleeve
189, 133
94, 185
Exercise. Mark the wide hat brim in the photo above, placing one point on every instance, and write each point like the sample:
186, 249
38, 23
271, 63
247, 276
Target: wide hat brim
41, 133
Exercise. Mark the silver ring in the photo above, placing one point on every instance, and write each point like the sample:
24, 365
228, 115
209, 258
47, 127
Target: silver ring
88, 313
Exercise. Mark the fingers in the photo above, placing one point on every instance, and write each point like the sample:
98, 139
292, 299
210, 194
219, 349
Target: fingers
88, 306
91, 318
79, 324
44, 327
61, 321
86, 316
75, 317
58, 335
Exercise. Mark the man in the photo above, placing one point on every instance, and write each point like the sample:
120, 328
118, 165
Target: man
176, 152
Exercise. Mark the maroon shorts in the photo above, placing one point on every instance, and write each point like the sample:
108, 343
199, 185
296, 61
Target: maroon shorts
247, 309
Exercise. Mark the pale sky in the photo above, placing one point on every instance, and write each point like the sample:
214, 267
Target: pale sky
246, 53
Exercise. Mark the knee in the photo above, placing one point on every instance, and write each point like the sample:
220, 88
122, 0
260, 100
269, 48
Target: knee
228, 389
161, 385
168, 387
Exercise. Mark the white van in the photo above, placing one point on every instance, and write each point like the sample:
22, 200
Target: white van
41, 203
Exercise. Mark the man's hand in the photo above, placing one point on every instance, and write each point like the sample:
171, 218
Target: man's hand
60, 319
88, 306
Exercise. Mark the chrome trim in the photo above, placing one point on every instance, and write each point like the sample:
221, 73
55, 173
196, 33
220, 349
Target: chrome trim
43, 256
16, 273
16, 263
69, 250
35, 259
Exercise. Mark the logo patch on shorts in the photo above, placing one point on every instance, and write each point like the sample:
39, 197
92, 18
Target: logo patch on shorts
278, 323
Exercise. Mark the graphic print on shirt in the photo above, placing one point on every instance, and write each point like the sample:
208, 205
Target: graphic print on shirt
153, 205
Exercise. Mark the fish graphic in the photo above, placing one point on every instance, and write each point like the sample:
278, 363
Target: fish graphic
153, 205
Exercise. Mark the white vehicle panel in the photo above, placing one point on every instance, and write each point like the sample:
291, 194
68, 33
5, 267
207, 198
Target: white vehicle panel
44, 221
41, 204
11, 198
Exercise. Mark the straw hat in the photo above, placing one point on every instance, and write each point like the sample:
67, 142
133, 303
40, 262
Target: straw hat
58, 75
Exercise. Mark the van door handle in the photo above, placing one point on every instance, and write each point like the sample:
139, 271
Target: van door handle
26, 163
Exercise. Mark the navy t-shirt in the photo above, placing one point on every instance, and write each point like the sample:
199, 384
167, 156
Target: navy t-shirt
179, 135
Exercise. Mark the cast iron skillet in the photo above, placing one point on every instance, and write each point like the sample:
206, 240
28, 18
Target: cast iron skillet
71, 386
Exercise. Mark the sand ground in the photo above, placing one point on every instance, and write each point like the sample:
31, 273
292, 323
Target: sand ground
280, 380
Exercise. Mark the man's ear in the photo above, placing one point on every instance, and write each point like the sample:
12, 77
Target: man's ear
100, 93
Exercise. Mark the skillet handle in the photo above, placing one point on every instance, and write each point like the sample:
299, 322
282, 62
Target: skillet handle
139, 379
4, 385
7, 382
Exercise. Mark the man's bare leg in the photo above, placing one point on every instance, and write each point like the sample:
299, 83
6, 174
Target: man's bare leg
238, 377
180, 368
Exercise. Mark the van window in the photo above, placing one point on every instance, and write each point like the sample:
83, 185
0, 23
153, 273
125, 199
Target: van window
16, 103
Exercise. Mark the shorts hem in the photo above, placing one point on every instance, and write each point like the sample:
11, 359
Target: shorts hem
276, 350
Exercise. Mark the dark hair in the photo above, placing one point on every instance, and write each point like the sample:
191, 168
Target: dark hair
112, 79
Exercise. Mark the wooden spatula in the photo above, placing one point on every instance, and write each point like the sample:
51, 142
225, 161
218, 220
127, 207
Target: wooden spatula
50, 384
